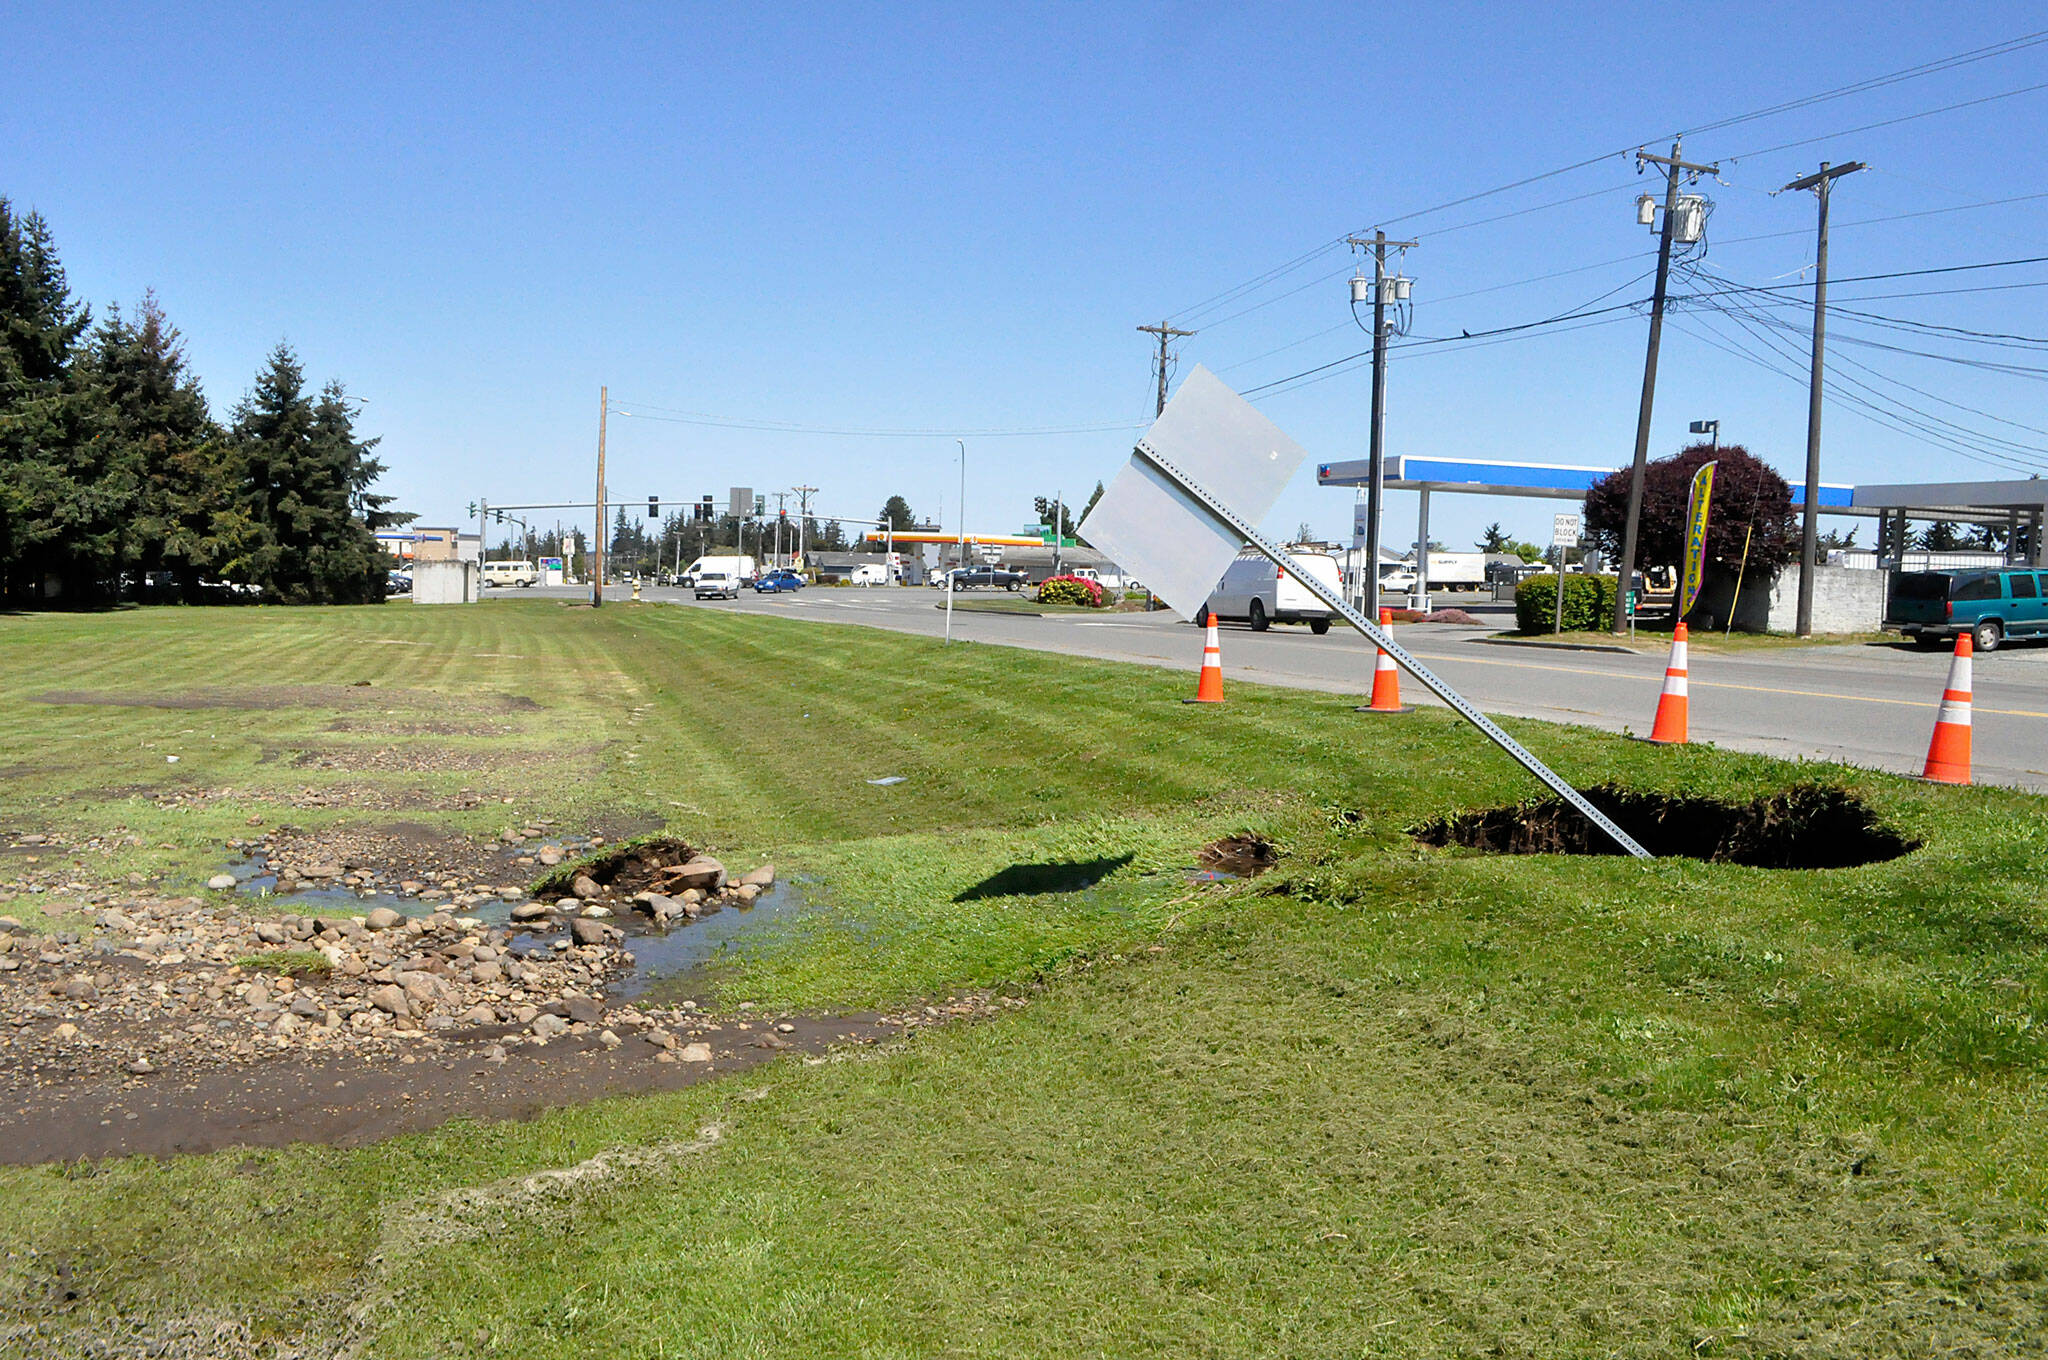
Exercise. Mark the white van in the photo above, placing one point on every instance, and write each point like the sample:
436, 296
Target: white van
1257, 591
511, 574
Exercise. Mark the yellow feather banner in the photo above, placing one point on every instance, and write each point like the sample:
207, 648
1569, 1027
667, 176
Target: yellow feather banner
1695, 538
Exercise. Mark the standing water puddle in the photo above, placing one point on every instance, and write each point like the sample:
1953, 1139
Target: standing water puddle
668, 965
672, 965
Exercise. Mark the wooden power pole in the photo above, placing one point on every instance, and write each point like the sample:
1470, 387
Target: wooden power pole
1376, 449
1165, 333
604, 406
1673, 168
1809, 532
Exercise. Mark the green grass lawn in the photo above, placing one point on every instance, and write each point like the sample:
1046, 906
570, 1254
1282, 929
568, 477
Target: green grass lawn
1384, 1101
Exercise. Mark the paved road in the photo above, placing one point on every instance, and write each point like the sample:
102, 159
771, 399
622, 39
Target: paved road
1867, 704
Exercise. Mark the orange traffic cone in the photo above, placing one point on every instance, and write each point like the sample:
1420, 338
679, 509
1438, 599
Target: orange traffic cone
1209, 689
1386, 678
1948, 754
1671, 705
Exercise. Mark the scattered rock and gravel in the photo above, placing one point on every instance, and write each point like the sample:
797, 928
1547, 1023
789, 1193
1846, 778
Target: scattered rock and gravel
143, 997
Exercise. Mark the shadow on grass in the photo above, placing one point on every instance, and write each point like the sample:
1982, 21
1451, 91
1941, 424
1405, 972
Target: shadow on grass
1033, 880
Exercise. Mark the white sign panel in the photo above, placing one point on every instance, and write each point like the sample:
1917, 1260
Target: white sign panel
1154, 530
1564, 531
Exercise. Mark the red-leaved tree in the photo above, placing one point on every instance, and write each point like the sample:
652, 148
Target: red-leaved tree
1746, 492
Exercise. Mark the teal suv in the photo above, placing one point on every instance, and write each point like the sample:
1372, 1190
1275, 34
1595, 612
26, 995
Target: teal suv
1992, 604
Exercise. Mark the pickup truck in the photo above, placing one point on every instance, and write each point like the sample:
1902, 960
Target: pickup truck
973, 578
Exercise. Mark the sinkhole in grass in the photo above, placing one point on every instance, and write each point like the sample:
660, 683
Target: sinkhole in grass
1804, 827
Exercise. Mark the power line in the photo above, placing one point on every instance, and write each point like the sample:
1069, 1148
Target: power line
1951, 433
1698, 328
1927, 68
1891, 122
1577, 313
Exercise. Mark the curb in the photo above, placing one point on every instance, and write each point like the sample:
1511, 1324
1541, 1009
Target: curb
1561, 646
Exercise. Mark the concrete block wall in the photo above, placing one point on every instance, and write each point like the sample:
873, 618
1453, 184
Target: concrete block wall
1845, 600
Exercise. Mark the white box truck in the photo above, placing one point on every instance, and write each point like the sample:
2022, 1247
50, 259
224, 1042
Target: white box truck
1457, 571
734, 567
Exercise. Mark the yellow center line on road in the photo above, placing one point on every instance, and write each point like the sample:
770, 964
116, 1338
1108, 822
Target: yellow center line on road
1697, 683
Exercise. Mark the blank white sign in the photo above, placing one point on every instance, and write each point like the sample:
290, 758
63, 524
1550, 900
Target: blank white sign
1156, 531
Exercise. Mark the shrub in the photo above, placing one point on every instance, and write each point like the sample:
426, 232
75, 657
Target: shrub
1070, 590
1588, 603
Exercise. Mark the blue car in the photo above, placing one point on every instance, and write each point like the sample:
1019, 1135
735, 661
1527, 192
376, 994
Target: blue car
780, 579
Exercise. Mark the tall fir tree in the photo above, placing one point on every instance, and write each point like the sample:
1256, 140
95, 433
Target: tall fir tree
305, 475
187, 520
65, 496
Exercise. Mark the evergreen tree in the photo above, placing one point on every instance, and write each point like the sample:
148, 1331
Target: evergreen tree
1096, 496
305, 490
187, 520
64, 497
896, 514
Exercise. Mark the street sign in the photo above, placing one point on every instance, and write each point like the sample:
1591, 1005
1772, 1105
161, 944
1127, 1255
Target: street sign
1564, 531
1188, 502
741, 503
1149, 521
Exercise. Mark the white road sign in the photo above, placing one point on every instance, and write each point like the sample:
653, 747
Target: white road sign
1564, 531
1153, 529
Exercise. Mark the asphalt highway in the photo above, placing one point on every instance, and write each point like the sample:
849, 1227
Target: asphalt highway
1869, 704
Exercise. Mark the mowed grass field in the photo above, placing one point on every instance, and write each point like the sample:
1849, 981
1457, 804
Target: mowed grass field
1386, 1100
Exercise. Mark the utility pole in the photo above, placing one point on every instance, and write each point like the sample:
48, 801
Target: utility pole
1165, 333
1376, 444
803, 520
604, 406
1821, 182
781, 518
1673, 168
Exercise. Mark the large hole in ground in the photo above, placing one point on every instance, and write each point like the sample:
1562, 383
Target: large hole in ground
1805, 827
627, 869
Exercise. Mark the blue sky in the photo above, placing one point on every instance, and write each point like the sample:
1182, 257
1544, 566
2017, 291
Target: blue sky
939, 218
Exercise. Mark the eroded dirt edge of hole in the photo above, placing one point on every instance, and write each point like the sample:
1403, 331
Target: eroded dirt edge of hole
1807, 826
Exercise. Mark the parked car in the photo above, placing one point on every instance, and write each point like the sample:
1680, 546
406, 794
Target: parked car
1931, 607
1255, 590
868, 574
717, 585
398, 583
781, 579
1110, 581
982, 578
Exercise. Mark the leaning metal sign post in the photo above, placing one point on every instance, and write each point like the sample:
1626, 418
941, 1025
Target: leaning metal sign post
1206, 472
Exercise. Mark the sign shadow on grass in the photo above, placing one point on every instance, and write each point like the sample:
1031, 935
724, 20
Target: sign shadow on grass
1033, 880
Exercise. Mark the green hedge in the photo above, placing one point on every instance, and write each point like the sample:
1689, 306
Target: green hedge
1588, 603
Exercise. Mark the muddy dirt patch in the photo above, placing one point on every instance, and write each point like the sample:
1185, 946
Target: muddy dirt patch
415, 859
267, 697
639, 867
1242, 856
1805, 827
417, 759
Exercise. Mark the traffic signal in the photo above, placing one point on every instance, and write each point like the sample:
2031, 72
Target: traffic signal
472, 507
654, 507
760, 506
704, 510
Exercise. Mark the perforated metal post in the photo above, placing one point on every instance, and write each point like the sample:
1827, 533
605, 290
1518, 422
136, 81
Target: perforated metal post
1337, 605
